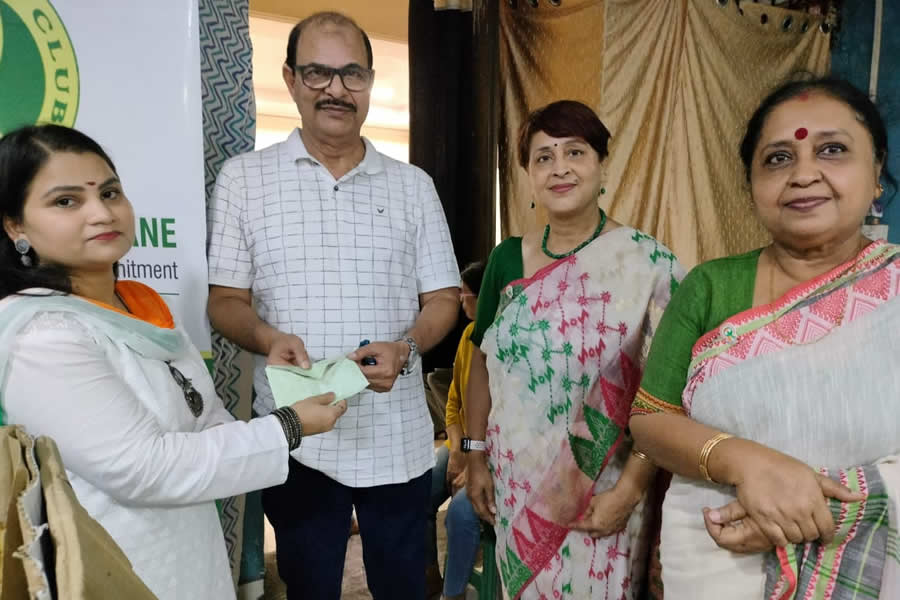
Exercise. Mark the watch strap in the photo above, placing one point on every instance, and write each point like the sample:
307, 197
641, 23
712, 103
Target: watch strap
412, 357
468, 445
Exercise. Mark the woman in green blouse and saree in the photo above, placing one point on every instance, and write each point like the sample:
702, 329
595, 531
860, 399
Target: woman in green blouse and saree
771, 390
563, 325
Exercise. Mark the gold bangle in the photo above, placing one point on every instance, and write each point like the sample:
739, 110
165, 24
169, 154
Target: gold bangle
707, 450
641, 455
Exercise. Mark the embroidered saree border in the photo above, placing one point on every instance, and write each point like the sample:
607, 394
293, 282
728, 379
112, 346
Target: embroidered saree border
724, 337
646, 403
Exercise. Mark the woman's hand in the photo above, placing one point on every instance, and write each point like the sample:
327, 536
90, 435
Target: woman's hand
316, 413
786, 498
480, 487
608, 512
732, 529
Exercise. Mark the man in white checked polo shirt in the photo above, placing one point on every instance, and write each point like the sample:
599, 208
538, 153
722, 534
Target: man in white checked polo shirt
335, 243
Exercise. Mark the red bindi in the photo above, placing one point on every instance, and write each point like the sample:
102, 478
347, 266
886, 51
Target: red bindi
91, 182
801, 133
803, 96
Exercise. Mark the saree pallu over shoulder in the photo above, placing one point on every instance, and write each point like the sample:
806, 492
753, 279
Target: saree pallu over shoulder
564, 357
802, 316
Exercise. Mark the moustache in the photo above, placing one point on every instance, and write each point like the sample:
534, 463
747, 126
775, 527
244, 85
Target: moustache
335, 103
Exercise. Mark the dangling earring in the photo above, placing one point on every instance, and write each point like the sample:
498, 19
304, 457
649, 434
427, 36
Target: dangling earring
532, 204
22, 247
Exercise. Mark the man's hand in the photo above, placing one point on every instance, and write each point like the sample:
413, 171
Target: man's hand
288, 350
390, 357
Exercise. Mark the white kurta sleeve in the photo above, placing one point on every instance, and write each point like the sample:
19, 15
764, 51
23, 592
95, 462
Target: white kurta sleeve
215, 414
61, 384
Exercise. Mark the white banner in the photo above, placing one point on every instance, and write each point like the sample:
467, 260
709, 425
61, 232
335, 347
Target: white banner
127, 73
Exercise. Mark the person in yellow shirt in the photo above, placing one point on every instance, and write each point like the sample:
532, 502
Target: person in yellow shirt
449, 473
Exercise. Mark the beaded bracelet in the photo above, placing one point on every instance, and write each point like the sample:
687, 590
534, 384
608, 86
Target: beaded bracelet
290, 423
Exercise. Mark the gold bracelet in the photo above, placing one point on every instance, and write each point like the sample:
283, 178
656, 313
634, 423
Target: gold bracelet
707, 450
641, 455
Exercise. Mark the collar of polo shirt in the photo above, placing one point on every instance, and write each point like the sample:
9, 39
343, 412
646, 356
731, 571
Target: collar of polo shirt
371, 164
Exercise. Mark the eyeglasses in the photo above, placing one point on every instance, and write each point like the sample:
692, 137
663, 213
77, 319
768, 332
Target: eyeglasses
319, 77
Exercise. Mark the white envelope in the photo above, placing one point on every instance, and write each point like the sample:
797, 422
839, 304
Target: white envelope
339, 375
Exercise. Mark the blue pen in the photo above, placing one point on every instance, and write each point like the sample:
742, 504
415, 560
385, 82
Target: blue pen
368, 361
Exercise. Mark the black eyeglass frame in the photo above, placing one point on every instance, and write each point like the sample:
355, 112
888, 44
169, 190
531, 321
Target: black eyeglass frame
340, 72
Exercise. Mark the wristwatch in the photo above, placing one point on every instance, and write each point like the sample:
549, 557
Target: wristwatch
412, 357
468, 444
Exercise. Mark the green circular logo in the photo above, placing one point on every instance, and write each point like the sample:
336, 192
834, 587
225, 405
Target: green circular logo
38, 70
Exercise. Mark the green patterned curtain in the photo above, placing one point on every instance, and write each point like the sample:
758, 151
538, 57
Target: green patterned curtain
229, 128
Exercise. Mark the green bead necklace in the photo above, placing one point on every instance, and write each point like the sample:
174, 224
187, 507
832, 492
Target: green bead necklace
593, 237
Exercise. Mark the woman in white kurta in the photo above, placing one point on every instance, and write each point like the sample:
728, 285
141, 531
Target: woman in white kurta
101, 367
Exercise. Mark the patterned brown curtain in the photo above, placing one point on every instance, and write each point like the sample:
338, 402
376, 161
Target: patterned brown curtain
675, 82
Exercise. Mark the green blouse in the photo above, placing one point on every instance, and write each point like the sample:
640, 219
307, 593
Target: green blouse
711, 292
504, 266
